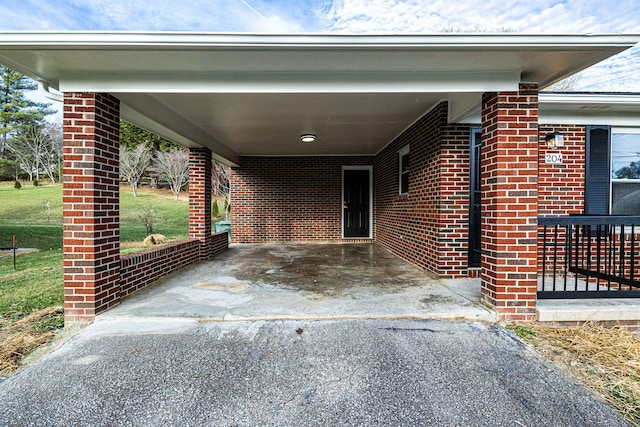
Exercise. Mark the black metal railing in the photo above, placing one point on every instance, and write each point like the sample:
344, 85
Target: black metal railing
589, 257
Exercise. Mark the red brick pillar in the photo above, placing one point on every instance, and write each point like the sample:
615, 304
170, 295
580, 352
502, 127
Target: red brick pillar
200, 199
509, 168
90, 197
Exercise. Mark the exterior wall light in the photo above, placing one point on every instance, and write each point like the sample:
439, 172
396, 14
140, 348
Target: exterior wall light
555, 140
308, 138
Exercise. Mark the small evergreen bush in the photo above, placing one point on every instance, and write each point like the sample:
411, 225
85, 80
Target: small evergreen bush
215, 210
17, 185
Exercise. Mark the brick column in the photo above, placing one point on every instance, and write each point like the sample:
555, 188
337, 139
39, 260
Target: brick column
509, 168
200, 199
90, 197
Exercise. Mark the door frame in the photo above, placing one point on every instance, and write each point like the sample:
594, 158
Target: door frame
367, 168
474, 172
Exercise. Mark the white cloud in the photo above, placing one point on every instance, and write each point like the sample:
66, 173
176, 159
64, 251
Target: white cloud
541, 16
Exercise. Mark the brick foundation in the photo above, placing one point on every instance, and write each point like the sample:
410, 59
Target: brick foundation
509, 176
90, 204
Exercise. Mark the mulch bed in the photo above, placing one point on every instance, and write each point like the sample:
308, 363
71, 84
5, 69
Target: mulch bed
605, 360
21, 337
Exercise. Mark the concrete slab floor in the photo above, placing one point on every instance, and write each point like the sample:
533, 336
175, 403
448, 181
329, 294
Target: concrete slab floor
621, 310
305, 282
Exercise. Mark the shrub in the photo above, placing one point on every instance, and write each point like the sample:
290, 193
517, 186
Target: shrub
147, 219
227, 207
215, 210
35, 182
17, 185
7, 170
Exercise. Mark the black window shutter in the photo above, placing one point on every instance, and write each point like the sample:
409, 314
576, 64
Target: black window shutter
597, 185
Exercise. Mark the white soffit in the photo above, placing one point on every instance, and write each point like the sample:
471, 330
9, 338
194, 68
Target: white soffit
615, 109
248, 94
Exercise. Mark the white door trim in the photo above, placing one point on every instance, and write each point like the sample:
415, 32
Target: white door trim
362, 167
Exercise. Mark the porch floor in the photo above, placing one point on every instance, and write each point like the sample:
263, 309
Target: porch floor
305, 281
623, 311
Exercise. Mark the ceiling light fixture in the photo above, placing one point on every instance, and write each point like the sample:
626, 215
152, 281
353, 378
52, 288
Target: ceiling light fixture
308, 138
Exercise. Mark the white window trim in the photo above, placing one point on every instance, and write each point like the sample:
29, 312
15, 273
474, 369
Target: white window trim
612, 180
401, 153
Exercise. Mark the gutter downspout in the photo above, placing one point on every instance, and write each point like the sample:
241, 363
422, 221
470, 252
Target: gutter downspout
43, 89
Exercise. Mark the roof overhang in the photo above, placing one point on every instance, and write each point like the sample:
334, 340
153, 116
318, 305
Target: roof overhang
614, 109
242, 94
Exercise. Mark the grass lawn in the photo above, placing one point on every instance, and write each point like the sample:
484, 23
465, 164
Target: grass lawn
34, 216
37, 283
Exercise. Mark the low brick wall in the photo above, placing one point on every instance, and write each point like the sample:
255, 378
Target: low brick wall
141, 269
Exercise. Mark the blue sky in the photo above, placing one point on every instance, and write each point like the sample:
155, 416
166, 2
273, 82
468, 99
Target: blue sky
621, 73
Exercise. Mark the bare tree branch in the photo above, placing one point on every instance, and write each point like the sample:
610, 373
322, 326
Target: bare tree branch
134, 163
173, 166
220, 179
52, 161
33, 147
567, 85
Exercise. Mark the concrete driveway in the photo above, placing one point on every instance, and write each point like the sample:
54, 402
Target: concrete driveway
217, 345
305, 281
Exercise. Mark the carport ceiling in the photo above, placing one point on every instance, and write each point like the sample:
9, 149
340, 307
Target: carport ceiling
256, 94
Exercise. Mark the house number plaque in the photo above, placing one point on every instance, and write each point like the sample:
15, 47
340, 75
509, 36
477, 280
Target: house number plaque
553, 158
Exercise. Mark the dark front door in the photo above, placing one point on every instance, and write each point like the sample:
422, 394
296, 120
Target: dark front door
356, 203
475, 199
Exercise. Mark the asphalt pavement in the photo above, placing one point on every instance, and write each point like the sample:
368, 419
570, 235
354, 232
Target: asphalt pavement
185, 372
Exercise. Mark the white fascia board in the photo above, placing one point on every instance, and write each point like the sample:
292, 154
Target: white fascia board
135, 40
612, 99
589, 119
290, 82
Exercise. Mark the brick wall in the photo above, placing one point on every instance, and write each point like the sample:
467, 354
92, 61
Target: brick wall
90, 198
561, 186
429, 225
279, 199
144, 268
509, 176
200, 198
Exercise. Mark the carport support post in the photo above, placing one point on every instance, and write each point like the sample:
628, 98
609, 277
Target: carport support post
200, 167
90, 203
509, 176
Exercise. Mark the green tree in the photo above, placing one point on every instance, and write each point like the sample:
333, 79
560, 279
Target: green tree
17, 111
629, 172
131, 136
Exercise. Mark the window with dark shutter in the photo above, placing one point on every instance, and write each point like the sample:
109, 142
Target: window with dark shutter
597, 182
